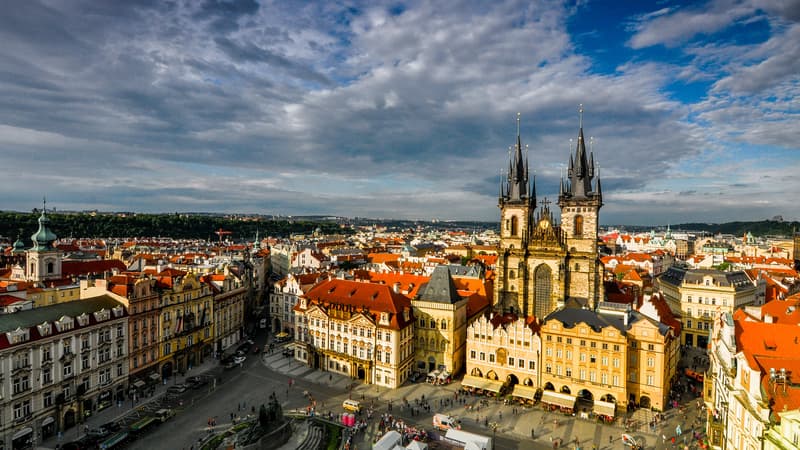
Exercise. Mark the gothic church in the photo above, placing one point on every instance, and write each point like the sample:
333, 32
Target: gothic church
544, 263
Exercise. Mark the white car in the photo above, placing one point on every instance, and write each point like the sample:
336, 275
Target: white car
239, 359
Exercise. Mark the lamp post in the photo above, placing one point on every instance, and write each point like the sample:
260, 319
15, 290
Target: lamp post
494, 426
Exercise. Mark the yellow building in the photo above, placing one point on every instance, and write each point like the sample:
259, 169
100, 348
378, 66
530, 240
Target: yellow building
230, 296
614, 356
187, 334
440, 332
698, 296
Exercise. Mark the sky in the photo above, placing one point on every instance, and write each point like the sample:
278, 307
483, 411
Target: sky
399, 109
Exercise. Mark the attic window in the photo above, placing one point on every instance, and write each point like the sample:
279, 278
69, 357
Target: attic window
374, 296
102, 315
45, 329
83, 320
352, 293
330, 291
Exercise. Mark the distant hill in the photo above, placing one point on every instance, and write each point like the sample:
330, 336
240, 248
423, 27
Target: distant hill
178, 226
760, 228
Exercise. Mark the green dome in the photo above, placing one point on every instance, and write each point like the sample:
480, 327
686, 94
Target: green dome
43, 238
18, 246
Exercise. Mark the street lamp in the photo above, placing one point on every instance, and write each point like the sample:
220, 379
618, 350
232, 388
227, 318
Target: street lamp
494, 426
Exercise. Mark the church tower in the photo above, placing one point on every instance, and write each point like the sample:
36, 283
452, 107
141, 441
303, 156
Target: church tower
43, 259
517, 202
580, 199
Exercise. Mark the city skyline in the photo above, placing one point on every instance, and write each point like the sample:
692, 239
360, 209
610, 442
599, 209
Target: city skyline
399, 110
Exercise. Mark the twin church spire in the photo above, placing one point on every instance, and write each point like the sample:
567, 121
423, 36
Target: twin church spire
582, 180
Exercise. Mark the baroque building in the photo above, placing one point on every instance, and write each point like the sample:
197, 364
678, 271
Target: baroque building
359, 329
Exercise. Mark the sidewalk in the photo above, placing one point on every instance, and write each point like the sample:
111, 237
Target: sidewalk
520, 425
113, 413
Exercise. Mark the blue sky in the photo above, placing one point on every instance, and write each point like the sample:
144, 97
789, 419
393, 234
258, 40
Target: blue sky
399, 109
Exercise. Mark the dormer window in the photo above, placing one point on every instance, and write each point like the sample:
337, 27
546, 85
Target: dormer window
45, 329
384, 320
101, 315
18, 336
83, 319
65, 323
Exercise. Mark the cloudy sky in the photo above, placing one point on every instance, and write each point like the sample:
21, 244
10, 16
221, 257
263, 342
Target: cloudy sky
400, 109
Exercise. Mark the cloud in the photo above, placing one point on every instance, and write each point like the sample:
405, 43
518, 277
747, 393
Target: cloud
370, 109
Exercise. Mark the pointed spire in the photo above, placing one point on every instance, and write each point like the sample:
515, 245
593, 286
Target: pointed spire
517, 189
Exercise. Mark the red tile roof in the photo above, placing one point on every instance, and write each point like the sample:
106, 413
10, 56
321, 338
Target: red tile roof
75, 268
362, 296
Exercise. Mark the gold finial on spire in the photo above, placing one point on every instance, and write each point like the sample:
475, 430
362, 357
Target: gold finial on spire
580, 115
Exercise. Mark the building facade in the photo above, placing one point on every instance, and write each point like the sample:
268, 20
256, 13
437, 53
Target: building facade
359, 329
441, 328
59, 365
230, 296
697, 296
186, 334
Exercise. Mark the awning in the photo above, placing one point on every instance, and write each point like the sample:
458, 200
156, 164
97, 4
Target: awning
155, 377
48, 421
105, 395
138, 383
473, 381
282, 334
444, 375
604, 408
558, 399
523, 391
23, 432
433, 374
493, 386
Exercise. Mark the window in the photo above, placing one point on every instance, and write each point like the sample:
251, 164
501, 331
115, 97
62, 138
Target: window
67, 369
583, 374
548, 368
531, 365
569, 354
616, 364
604, 360
592, 376
558, 370
511, 361
578, 225
605, 346
583, 343
603, 378
558, 338
21, 384
22, 409
689, 324
633, 344
483, 356
592, 358
651, 380
85, 362
47, 397
47, 376
615, 380
582, 357
651, 347
569, 340
559, 353
616, 347
593, 344
569, 371
491, 357
521, 363
548, 351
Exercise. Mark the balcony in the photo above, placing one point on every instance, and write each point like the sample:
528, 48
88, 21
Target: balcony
23, 419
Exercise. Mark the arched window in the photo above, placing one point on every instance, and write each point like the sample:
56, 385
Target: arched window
444, 324
578, 225
514, 225
433, 324
542, 291
512, 275
50, 267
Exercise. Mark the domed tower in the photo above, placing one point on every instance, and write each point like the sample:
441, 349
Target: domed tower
43, 259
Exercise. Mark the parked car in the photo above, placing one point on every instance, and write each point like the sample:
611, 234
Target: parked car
98, 433
196, 382
177, 389
415, 377
288, 352
238, 359
230, 364
244, 348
